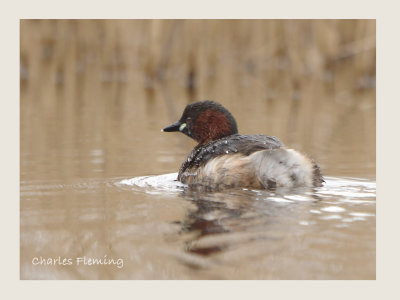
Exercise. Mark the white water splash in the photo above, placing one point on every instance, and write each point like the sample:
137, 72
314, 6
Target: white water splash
160, 184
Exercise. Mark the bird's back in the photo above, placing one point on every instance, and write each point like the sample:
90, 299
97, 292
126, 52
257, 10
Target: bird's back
256, 161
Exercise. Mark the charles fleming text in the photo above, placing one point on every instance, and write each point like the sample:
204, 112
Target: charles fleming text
78, 261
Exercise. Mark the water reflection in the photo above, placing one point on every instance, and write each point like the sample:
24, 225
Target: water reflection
257, 223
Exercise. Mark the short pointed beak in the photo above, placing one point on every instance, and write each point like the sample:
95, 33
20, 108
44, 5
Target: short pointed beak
172, 127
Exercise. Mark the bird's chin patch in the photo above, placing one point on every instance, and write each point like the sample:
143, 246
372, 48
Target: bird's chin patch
183, 126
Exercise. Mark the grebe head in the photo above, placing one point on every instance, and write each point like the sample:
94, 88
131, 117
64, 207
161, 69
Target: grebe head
205, 121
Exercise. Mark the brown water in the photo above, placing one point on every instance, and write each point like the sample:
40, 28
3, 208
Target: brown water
97, 175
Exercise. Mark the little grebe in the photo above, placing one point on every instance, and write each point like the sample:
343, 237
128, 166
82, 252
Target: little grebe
224, 158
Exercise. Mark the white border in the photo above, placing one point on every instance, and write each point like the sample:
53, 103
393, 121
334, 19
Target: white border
388, 100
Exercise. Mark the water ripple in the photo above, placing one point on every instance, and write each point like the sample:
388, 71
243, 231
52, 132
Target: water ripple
346, 190
154, 185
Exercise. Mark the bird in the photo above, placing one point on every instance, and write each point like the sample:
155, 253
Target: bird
223, 158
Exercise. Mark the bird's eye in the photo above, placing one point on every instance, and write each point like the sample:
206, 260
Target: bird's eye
189, 123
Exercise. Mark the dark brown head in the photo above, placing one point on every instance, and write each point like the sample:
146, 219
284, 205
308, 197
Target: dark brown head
205, 121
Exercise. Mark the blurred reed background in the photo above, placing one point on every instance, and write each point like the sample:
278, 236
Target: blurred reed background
95, 93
